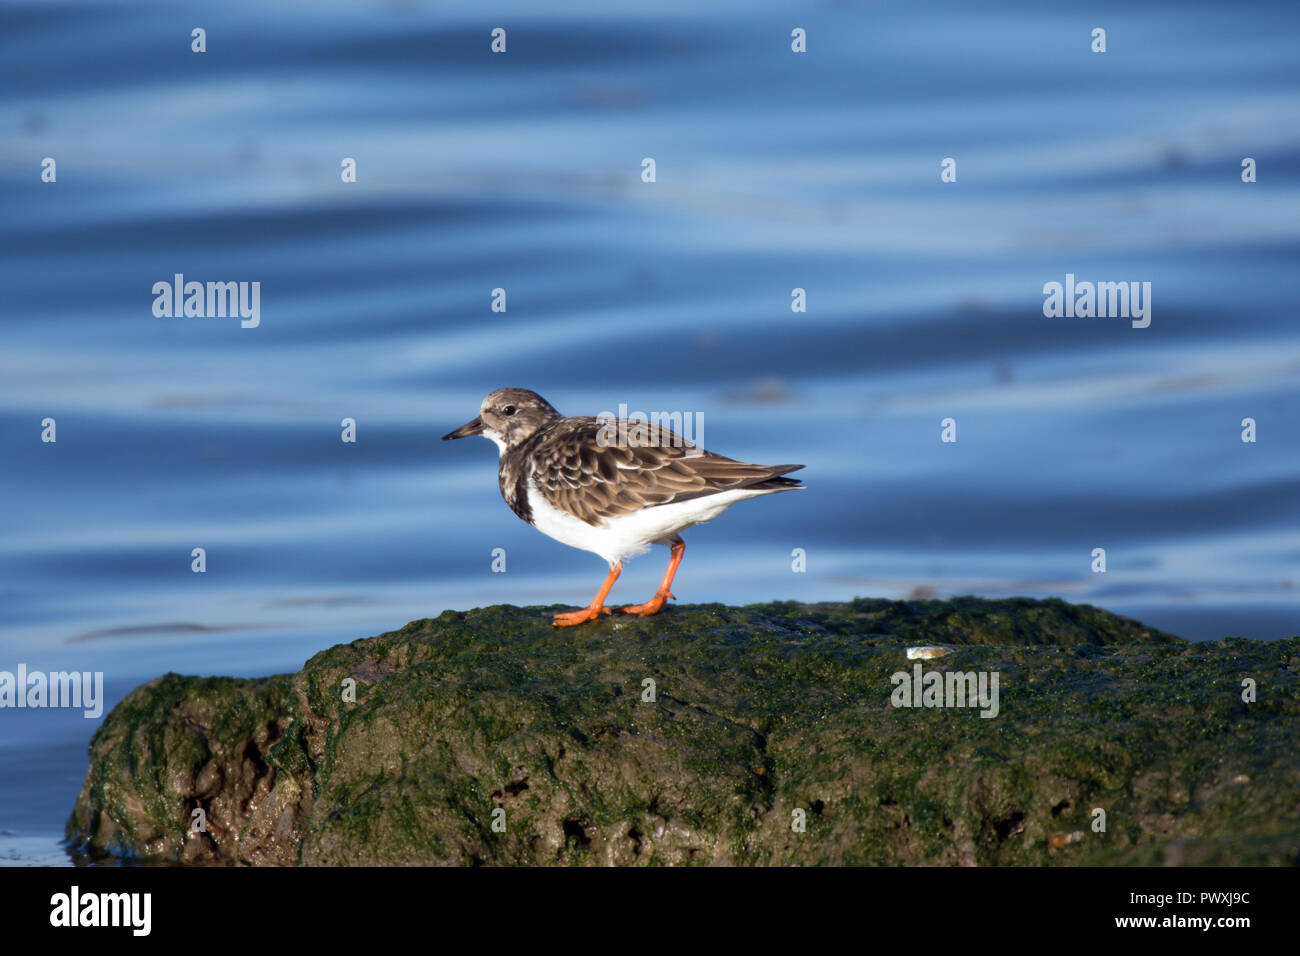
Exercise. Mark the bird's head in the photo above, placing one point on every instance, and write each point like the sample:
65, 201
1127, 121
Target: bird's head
508, 416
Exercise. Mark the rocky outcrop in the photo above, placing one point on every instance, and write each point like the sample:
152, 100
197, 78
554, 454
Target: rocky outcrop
716, 735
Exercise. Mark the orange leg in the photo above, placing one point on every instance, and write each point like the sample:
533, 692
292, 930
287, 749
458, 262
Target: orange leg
656, 603
597, 606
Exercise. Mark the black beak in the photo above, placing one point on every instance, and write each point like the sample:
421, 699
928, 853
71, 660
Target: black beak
469, 428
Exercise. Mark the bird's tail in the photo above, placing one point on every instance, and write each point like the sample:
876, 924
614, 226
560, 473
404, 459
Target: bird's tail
774, 480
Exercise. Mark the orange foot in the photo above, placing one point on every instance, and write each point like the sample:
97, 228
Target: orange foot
652, 606
571, 618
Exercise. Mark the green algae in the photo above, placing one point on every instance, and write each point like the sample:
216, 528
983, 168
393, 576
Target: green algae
759, 712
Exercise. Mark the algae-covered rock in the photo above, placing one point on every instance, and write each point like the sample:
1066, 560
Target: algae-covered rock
709, 734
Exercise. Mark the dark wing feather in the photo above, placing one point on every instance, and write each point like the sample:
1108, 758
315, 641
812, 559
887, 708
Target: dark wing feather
593, 479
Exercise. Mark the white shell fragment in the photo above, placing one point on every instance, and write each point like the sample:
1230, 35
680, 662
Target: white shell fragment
925, 653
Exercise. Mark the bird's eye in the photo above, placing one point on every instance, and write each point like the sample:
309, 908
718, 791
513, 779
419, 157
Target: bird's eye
509, 410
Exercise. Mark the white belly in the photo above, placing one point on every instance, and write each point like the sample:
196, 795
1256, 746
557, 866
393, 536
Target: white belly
629, 535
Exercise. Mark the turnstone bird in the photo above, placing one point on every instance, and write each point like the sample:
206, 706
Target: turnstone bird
583, 482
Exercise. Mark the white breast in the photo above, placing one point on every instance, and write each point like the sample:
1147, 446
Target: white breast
629, 535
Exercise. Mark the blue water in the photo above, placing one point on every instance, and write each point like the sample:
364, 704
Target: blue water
523, 171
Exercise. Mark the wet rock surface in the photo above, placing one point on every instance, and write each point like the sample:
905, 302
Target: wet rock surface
767, 736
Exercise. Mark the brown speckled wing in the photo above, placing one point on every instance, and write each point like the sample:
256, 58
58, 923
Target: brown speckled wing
593, 481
